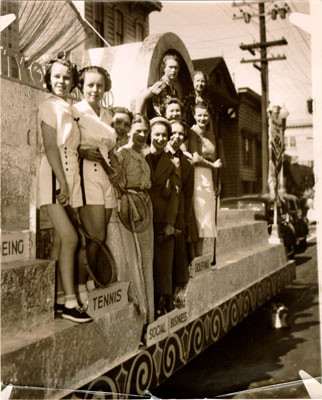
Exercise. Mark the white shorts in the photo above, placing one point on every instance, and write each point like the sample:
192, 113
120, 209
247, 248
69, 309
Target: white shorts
48, 184
95, 185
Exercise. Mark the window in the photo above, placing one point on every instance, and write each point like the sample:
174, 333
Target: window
285, 141
247, 152
99, 22
139, 32
119, 28
292, 141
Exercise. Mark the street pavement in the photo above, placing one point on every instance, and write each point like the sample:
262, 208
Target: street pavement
255, 360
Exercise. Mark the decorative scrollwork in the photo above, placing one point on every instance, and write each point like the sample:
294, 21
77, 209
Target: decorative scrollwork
141, 373
102, 388
171, 353
216, 324
233, 312
197, 337
246, 304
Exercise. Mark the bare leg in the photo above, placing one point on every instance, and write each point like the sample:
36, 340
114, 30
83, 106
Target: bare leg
68, 244
54, 255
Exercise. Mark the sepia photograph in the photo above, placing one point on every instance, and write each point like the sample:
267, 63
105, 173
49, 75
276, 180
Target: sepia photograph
193, 270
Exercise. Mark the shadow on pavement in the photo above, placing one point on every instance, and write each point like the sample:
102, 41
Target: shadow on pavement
301, 260
255, 355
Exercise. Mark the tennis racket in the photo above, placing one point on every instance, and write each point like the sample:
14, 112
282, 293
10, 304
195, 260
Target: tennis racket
98, 259
132, 208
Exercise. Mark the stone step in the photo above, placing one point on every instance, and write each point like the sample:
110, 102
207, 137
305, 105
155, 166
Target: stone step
27, 295
228, 277
66, 355
16, 245
31, 308
241, 237
90, 350
234, 217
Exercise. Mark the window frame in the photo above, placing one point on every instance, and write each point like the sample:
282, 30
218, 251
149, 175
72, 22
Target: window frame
139, 23
99, 22
117, 33
247, 153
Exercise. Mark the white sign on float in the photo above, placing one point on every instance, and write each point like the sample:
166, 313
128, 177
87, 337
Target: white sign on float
101, 301
157, 331
15, 246
200, 264
178, 318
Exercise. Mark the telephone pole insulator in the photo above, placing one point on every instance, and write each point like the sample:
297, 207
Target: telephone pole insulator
262, 46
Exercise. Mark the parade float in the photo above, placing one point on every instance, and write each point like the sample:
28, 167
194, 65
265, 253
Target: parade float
44, 357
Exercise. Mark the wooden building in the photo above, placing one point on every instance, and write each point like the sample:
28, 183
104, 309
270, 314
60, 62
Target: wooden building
118, 22
249, 142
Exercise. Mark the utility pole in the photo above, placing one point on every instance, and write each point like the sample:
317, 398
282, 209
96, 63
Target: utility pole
263, 68
265, 97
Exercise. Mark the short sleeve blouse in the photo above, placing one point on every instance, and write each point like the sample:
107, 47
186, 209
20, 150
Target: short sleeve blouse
137, 170
95, 130
57, 113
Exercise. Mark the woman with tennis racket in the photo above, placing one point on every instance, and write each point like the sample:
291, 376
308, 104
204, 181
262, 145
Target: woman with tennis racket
59, 170
97, 139
137, 213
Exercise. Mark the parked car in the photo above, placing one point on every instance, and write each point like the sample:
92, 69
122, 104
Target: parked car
298, 220
264, 211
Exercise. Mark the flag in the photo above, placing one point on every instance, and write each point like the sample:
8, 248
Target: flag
276, 138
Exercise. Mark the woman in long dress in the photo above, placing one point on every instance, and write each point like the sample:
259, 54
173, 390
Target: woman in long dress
202, 146
138, 180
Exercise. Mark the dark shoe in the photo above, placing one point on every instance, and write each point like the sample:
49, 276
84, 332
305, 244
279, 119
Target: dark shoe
180, 296
58, 308
76, 314
161, 309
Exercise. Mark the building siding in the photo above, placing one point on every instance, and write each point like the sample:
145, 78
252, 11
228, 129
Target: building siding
249, 125
131, 15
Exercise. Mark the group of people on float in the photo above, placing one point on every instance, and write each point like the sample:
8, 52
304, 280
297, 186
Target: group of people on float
169, 160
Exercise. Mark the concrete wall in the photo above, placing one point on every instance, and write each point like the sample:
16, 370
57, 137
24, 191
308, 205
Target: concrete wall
18, 153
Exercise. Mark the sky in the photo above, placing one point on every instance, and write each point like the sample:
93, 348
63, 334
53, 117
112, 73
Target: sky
209, 30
